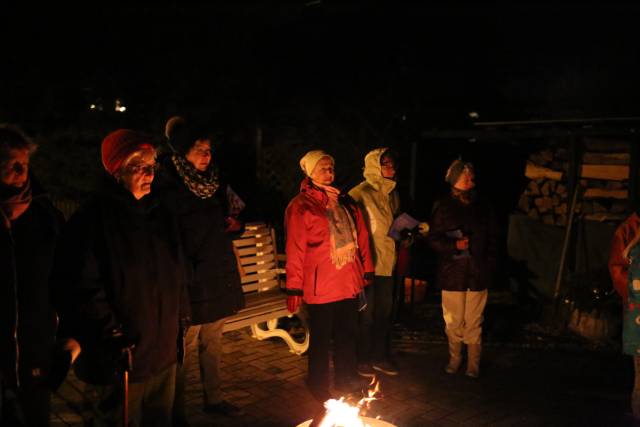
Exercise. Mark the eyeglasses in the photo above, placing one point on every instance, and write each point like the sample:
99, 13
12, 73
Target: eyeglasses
388, 165
142, 169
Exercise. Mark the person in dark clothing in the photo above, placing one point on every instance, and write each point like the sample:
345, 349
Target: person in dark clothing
120, 284
463, 234
188, 182
29, 226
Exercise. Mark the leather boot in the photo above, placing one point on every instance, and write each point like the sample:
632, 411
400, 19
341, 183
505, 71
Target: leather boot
455, 357
473, 360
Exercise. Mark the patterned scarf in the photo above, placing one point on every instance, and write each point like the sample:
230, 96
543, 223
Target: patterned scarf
15, 204
342, 230
203, 185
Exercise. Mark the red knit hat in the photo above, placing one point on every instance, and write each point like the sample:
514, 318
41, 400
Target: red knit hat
119, 145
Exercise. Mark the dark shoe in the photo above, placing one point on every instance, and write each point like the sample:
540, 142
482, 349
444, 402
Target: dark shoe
366, 370
224, 408
385, 367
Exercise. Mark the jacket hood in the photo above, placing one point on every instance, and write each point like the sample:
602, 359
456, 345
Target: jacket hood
373, 172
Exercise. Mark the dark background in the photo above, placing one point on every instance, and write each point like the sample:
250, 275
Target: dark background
347, 76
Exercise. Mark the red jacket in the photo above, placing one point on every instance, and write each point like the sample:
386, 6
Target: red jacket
310, 272
618, 266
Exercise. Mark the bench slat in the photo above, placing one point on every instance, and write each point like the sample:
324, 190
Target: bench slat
256, 259
252, 241
258, 267
251, 287
258, 232
270, 274
253, 250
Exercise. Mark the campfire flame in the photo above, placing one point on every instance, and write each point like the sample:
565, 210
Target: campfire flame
341, 414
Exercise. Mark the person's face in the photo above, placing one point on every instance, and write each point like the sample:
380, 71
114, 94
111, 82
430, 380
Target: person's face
323, 172
137, 175
466, 180
14, 171
388, 167
200, 155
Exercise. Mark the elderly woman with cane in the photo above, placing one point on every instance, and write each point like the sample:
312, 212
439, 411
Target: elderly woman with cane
120, 281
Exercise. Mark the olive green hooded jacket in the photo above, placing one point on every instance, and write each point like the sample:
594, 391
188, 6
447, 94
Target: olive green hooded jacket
380, 203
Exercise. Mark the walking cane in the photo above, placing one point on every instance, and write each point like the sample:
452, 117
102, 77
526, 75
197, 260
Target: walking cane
127, 363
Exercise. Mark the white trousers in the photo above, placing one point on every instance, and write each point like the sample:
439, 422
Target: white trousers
463, 315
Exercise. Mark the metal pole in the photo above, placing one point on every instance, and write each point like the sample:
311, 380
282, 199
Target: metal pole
565, 244
573, 183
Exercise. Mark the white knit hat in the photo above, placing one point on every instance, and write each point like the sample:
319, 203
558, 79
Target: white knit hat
311, 159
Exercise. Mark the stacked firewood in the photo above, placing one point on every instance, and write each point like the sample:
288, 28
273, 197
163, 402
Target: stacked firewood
603, 192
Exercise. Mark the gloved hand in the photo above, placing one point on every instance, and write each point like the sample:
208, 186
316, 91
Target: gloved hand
293, 303
232, 224
368, 278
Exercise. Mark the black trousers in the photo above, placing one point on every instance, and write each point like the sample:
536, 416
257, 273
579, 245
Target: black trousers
337, 320
374, 333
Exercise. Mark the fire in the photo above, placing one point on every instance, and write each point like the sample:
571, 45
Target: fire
341, 414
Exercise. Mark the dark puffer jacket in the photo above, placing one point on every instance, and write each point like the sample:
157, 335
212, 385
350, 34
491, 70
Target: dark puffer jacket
120, 262
214, 287
26, 256
475, 220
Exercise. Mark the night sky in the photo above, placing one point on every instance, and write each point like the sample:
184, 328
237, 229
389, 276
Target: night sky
435, 63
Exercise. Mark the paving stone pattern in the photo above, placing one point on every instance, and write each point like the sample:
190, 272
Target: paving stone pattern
519, 387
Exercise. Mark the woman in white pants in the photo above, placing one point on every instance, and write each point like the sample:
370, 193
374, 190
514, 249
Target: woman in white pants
463, 234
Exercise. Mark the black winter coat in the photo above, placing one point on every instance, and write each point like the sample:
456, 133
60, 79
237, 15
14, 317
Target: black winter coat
26, 256
475, 220
214, 287
120, 262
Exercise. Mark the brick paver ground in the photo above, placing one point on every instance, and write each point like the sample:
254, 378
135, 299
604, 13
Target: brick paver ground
519, 387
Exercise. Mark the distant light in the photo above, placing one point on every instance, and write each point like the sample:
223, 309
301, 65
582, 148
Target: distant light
474, 115
120, 108
404, 117
92, 106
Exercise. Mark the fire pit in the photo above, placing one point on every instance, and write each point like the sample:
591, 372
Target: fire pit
366, 422
341, 414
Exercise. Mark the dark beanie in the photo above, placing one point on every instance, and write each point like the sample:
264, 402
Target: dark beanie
179, 134
456, 169
119, 145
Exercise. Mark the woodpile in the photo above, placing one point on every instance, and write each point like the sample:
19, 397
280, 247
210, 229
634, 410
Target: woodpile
604, 178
